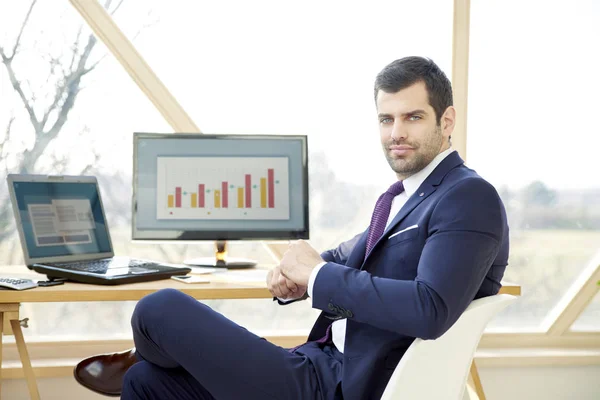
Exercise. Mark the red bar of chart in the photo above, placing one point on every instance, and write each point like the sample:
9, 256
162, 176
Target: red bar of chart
225, 194
177, 197
271, 187
201, 195
248, 191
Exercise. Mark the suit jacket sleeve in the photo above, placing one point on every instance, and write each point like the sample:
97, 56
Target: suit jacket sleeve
464, 235
338, 255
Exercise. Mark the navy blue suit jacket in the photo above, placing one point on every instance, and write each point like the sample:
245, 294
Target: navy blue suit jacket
415, 283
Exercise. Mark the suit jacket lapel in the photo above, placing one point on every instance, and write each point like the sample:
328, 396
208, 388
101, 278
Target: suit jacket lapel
421, 194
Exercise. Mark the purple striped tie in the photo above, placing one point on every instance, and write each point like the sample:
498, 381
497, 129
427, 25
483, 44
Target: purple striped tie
381, 214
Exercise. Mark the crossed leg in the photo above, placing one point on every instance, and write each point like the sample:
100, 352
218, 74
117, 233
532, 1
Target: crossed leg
190, 351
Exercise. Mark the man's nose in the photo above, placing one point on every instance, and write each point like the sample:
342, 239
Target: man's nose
398, 131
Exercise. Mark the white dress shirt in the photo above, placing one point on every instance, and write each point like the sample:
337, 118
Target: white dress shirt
411, 184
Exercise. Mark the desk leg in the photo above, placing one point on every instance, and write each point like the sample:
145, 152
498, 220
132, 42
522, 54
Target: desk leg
477, 381
27, 369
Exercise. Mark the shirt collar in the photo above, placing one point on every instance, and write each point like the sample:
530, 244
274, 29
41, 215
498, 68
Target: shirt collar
412, 183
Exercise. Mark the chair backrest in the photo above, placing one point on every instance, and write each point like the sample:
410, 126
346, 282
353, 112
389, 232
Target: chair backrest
438, 369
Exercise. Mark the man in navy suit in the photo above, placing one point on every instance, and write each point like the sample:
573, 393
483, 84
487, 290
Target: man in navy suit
437, 240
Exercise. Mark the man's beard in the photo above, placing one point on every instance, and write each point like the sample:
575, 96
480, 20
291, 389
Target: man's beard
422, 155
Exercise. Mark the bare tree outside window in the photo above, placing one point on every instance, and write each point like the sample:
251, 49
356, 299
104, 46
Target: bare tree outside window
34, 140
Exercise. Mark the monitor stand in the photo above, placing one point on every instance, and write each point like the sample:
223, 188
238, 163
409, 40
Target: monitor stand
221, 260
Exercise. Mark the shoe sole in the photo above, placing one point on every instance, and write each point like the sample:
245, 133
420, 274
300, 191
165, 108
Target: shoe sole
93, 389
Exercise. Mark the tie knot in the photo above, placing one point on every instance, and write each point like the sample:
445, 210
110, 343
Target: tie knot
396, 188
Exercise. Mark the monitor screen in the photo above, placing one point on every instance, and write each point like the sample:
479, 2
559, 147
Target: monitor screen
219, 187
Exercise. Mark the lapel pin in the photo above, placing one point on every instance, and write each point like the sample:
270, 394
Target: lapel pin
421, 194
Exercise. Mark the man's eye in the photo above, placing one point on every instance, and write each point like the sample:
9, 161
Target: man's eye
385, 120
414, 118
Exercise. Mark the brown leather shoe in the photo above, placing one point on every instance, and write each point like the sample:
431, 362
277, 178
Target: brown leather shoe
104, 373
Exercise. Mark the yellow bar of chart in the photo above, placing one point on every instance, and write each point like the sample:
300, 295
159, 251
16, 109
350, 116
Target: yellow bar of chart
171, 201
217, 199
241, 197
263, 192
194, 200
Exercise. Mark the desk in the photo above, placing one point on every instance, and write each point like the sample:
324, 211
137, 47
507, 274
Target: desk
77, 292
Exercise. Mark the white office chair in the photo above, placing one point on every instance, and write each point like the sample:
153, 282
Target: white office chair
438, 369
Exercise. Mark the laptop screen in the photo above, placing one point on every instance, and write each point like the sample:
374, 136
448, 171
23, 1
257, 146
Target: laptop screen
60, 218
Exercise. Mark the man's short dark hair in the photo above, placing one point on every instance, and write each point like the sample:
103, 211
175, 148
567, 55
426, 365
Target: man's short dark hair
407, 71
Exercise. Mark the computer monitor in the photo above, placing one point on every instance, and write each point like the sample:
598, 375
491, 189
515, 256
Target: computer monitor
220, 188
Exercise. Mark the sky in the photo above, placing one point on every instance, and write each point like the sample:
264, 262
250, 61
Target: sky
272, 67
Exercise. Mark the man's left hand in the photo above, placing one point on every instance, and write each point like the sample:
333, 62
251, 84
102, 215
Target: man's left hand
299, 261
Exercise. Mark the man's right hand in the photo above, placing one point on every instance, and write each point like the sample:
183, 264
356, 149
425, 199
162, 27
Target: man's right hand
283, 288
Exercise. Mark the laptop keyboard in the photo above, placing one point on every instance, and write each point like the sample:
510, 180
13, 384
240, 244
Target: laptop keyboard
101, 266
110, 271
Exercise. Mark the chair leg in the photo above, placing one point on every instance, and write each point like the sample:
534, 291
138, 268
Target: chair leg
477, 381
27, 369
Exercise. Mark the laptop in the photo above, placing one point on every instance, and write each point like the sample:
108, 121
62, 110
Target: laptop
63, 232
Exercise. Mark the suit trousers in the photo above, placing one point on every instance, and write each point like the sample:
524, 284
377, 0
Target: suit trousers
189, 351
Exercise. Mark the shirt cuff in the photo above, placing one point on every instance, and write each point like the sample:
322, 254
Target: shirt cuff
313, 276
287, 300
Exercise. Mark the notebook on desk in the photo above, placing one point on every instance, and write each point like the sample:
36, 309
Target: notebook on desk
63, 232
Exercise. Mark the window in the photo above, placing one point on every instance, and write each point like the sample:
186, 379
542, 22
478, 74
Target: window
267, 67
95, 139
532, 108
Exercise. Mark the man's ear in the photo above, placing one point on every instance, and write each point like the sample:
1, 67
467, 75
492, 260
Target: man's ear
448, 121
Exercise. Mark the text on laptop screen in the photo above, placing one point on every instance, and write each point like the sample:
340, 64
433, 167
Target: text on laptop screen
61, 218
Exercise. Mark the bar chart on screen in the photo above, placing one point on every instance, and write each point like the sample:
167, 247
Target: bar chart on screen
211, 188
